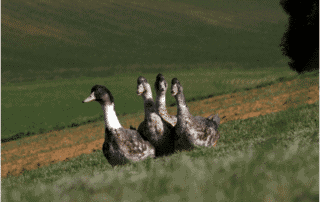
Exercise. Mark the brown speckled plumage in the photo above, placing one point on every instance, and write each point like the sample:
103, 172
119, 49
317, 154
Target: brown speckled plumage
190, 130
154, 128
121, 145
124, 145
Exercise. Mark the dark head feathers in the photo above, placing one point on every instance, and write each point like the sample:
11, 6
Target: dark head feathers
174, 81
141, 80
100, 90
159, 79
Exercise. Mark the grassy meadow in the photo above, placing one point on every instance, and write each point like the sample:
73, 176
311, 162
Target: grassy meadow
53, 52
267, 158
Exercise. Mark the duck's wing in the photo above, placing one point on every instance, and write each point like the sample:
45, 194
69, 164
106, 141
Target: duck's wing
133, 146
207, 131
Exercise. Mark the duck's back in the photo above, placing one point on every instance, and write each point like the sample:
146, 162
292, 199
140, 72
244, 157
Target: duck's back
123, 145
195, 131
207, 131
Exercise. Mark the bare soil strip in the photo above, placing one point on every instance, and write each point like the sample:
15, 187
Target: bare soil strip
32, 152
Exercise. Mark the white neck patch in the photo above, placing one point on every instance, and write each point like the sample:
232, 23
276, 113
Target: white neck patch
110, 117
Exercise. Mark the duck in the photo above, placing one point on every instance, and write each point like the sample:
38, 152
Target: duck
192, 131
121, 145
161, 87
154, 128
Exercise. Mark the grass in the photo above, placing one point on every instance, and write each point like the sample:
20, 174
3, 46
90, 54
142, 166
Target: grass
56, 104
271, 158
53, 53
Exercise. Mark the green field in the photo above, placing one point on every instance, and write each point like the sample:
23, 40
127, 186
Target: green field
273, 158
51, 40
54, 52
50, 105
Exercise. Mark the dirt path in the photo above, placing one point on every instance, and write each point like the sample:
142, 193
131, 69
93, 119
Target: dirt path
49, 148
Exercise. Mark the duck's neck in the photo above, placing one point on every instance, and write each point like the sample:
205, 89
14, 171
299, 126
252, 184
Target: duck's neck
110, 117
182, 108
161, 103
149, 106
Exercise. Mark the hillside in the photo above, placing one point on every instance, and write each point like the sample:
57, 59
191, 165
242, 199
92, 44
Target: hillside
49, 148
59, 39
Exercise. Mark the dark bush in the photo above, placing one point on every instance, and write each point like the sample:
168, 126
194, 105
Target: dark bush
300, 42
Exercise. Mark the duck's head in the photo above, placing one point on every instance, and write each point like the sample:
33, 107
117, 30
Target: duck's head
143, 87
161, 84
100, 94
176, 87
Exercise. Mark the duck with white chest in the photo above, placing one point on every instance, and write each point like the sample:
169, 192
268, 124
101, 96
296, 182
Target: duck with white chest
121, 145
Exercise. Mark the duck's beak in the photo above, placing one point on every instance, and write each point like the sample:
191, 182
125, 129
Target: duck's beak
174, 90
90, 98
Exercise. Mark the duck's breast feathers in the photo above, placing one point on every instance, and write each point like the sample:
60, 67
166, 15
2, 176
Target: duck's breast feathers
113, 153
154, 128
